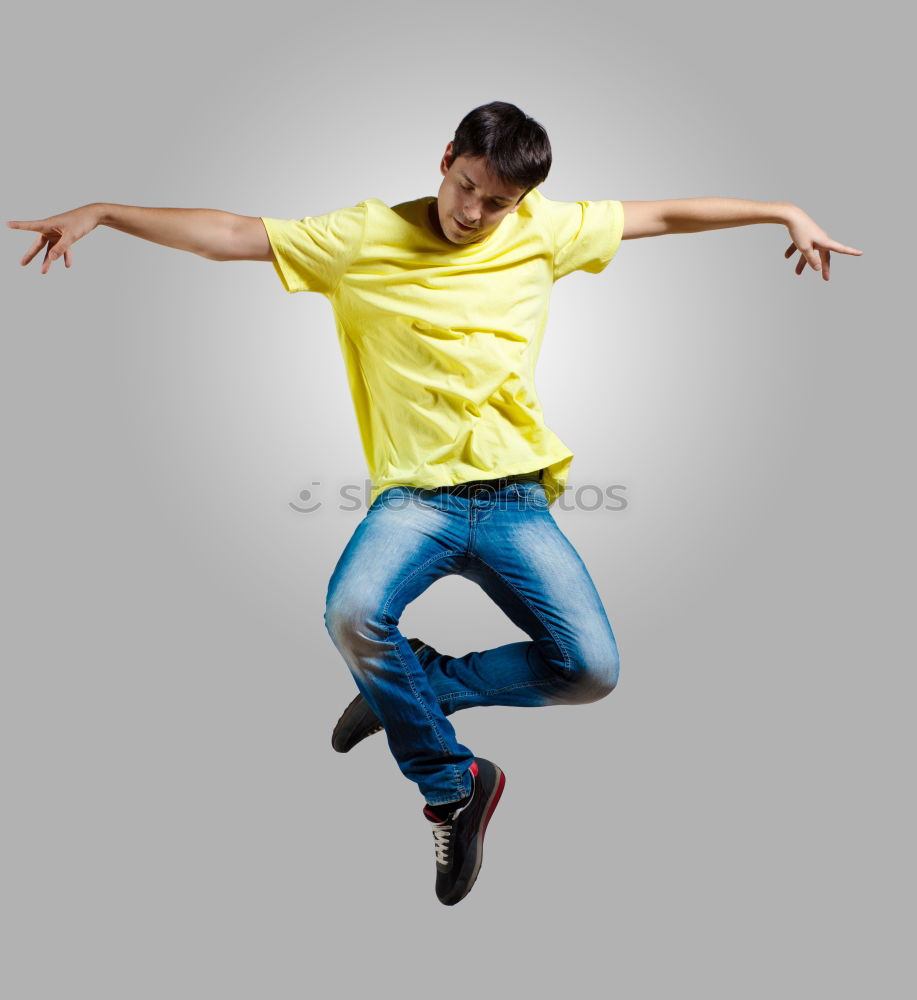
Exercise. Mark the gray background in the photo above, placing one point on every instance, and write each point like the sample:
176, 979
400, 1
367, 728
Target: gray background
732, 822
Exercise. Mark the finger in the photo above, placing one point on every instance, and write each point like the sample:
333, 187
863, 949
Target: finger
812, 258
34, 249
68, 257
789, 250
58, 248
800, 264
840, 248
34, 225
828, 244
826, 264
46, 263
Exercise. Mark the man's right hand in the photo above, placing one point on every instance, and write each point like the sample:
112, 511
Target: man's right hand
58, 233
206, 232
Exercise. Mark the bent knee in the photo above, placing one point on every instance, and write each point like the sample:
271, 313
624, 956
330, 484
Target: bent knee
597, 677
353, 625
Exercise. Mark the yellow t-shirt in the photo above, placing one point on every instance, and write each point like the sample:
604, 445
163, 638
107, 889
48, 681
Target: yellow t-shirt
440, 341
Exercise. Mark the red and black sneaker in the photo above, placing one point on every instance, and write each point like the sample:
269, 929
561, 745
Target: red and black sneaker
359, 720
458, 832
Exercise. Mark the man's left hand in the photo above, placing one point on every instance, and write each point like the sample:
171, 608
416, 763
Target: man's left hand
813, 243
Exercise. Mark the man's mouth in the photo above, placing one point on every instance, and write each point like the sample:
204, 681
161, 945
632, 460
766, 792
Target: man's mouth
462, 226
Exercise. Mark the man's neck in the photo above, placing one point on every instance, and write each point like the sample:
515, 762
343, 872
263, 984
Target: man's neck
433, 213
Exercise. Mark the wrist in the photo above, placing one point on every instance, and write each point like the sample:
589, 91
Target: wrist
787, 212
101, 211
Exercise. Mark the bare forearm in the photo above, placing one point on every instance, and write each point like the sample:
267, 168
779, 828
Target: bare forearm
206, 232
695, 215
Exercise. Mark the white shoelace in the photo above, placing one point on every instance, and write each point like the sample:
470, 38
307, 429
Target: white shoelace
443, 831
441, 834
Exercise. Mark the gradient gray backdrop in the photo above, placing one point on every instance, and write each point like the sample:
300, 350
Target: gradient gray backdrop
175, 823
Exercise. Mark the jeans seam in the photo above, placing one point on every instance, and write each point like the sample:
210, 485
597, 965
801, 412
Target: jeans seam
449, 801
557, 642
422, 503
483, 694
457, 775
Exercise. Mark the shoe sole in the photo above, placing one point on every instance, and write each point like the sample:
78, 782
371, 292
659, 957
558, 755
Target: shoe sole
461, 889
348, 726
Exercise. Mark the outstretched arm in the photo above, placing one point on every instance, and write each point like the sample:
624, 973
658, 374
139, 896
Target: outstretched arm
696, 215
206, 232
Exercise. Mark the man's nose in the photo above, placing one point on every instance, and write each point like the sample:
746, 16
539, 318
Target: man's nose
471, 211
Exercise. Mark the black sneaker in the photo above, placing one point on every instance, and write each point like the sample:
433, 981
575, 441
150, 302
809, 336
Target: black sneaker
458, 832
359, 720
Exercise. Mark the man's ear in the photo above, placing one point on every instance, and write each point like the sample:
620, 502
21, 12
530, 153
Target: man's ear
446, 161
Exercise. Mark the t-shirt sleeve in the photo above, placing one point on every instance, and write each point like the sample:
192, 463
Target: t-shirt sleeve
586, 234
313, 254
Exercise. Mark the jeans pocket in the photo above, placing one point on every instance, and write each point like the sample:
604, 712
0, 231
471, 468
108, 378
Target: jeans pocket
531, 495
426, 498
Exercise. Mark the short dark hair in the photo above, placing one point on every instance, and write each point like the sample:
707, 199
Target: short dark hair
515, 146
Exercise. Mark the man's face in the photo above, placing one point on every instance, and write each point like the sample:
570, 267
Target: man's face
472, 201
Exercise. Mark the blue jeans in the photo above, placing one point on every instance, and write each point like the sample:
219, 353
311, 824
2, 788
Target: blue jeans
505, 540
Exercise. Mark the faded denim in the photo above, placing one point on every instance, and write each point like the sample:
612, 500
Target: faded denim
505, 540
